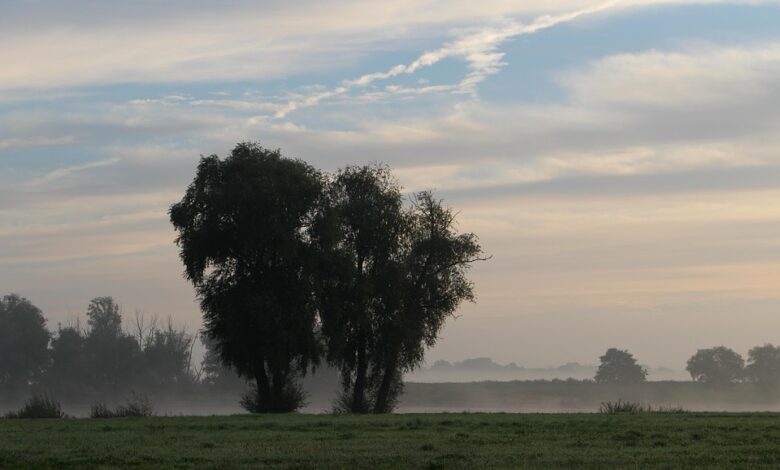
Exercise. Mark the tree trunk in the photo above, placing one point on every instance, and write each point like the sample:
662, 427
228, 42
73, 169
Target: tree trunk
359, 404
383, 397
359, 389
263, 386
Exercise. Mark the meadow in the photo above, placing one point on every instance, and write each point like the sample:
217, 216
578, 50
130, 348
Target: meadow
646, 440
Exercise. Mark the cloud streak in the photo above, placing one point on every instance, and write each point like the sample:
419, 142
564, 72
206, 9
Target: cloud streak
479, 49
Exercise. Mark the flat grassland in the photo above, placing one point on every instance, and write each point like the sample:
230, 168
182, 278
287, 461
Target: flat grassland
645, 440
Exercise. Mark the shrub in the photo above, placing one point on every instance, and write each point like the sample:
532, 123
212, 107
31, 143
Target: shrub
101, 410
669, 409
288, 400
39, 406
137, 406
621, 406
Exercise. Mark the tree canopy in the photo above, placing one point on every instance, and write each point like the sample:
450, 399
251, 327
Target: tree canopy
286, 260
392, 275
242, 237
24, 341
620, 366
763, 365
716, 366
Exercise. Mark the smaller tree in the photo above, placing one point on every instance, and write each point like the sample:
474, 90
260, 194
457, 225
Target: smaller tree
620, 367
167, 355
103, 317
24, 340
716, 366
764, 365
111, 355
67, 374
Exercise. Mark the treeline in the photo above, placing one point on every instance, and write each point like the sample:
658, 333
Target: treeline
101, 359
717, 366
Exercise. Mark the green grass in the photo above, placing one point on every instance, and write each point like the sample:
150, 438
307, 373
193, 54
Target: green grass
650, 440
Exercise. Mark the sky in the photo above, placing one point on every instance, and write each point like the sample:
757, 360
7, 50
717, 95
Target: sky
620, 160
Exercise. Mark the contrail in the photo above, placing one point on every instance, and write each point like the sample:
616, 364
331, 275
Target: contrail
478, 49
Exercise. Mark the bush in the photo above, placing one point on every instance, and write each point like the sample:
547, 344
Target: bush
670, 409
621, 406
137, 406
39, 406
290, 399
101, 410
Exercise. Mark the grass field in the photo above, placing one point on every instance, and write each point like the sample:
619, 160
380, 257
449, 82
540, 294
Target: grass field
651, 440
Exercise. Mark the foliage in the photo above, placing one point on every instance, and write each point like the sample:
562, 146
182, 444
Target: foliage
68, 368
106, 361
389, 277
112, 357
101, 410
215, 374
39, 406
241, 232
450, 440
621, 406
23, 342
137, 406
764, 365
167, 357
104, 318
620, 366
716, 366
291, 397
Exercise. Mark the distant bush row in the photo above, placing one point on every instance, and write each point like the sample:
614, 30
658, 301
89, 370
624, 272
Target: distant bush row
42, 406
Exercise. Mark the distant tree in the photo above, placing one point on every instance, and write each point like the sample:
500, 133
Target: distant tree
111, 355
104, 318
241, 232
390, 276
24, 340
68, 374
166, 358
763, 365
717, 366
620, 367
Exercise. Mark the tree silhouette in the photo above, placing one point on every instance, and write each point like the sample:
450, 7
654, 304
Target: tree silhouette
111, 355
360, 232
24, 340
242, 239
68, 373
390, 276
764, 365
717, 366
620, 367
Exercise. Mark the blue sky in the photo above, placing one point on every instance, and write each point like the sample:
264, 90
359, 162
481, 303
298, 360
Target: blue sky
619, 159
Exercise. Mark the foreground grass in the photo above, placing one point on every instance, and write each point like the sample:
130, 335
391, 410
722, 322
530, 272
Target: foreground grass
653, 440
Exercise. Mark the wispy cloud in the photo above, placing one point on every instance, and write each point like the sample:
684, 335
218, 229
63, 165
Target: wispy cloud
21, 142
479, 49
63, 173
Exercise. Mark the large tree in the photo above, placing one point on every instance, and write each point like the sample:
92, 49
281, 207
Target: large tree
24, 340
242, 237
763, 365
716, 366
620, 366
391, 274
